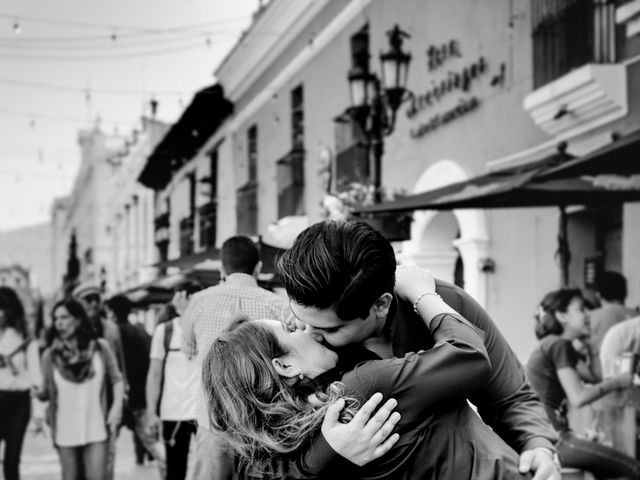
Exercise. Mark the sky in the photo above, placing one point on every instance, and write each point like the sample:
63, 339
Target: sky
67, 64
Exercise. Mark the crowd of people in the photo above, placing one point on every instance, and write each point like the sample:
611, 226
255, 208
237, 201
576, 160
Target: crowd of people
364, 369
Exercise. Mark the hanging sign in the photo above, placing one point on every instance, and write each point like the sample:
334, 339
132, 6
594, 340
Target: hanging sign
460, 82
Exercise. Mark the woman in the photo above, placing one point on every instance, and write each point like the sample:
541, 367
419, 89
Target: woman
19, 373
79, 369
255, 377
556, 372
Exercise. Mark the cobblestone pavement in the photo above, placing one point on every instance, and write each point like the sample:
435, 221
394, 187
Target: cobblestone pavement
40, 461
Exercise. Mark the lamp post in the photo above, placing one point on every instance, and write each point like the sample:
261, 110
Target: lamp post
375, 101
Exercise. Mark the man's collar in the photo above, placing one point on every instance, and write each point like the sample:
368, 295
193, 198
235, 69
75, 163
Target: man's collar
241, 278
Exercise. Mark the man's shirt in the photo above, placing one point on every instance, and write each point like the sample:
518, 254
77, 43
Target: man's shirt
212, 310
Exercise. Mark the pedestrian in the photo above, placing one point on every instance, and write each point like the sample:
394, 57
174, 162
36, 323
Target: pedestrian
19, 375
255, 374
136, 344
79, 369
339, 276
561, 376
208, 314
172, 385
90, 295
611, 292
622, 338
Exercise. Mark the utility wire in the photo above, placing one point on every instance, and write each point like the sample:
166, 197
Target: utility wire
100, 57
69, 23
85, 90
35, 116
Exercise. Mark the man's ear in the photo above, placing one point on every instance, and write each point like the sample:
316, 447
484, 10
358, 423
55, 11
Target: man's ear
382, 304
284, 368
257, 269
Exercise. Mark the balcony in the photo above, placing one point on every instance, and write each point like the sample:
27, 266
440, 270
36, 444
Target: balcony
247, 208
186, 236
161, 229
207, 218
578, 85
581, 100
291, 184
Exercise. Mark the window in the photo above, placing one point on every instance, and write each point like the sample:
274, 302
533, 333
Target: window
252, 152
297, 118
570, 33
208, 212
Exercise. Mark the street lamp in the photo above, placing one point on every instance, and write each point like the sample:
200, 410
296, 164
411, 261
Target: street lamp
375, 101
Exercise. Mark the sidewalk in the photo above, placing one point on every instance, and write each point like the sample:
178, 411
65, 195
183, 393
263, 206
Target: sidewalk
40, 460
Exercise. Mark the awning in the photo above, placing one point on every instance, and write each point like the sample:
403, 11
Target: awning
608, 176
503, 188
621, 158
198, 122
192, 259
268, 255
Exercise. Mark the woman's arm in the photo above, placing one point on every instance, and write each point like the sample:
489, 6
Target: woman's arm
453, 369
580, 395
114, 417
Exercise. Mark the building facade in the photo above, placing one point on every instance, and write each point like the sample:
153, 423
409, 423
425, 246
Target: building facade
82, 218
494, 84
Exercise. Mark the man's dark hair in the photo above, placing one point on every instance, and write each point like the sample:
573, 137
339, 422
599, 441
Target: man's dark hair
612, 286
239, 254
343, 265
121, 307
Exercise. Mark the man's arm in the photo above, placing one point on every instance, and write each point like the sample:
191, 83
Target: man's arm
188, 320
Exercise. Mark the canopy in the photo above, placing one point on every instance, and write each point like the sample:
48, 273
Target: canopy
610, 175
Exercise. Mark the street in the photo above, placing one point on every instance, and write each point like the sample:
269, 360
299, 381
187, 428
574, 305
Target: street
40, 461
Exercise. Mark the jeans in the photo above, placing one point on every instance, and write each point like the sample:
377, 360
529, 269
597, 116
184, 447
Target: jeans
598, 459
177, 437
212, 458
15, 410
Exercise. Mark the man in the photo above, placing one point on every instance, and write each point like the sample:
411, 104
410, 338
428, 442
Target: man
340, 278
90, 295
136, 344
611, 291
208, 314
623, 337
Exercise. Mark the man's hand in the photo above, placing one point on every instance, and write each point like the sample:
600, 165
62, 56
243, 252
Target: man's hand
541, 462
412, 281
364, 438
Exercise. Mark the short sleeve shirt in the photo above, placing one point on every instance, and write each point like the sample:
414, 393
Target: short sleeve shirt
552, 354
181, 376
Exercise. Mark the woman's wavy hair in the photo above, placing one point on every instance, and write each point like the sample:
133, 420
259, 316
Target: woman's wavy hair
553, 302
261, 414
85, 332
14, 315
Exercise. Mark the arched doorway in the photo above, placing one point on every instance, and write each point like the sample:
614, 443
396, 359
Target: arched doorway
449, 243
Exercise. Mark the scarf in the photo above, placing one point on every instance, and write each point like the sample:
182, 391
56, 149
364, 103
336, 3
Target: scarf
73, 364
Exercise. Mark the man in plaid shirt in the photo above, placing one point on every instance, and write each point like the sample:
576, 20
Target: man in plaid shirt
208, 314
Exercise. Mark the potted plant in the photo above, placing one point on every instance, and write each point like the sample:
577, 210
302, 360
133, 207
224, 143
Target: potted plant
353, 195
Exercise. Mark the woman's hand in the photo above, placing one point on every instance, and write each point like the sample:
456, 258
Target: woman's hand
412, 281
364, 438
114, 419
